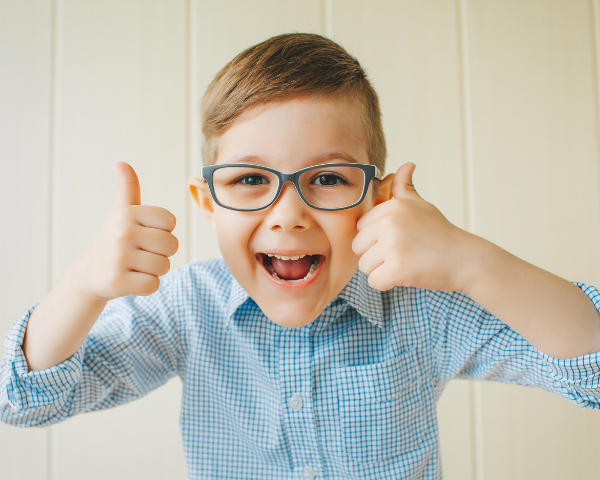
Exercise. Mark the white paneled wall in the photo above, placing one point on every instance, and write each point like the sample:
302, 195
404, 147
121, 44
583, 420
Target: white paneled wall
121, 96
535, 145
496, 101
25, 139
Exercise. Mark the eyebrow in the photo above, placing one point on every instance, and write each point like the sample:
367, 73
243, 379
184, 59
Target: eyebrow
326, 158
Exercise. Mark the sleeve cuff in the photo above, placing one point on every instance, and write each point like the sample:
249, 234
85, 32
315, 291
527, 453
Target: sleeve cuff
27, 389
583, 371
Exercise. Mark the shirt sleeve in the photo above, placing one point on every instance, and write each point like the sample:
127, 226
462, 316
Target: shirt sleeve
469, 342
131, 350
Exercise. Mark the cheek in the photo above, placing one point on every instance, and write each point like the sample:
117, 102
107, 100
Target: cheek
234, 230
341, 230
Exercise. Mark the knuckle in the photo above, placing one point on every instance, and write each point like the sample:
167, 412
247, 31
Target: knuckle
397, 264
165, 266
362, 266
373, 282
392, 264
400, 268
167, 218
355, 245
388, 222
392, 243
175, 245
149, 285
123, 214
119, 260
124, 235
154, 284
115, 286
402, 206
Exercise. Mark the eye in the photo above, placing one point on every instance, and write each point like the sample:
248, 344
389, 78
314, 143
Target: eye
328, 180
251, 180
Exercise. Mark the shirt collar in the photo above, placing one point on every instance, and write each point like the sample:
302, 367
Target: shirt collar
365, 300
357, 293
237, 297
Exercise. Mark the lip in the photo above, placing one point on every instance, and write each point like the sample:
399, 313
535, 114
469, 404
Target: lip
288, 253
287, 286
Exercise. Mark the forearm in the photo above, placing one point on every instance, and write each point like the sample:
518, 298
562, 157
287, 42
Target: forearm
554, 315
59, 324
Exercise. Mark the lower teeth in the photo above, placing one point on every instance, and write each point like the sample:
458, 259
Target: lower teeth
312, 269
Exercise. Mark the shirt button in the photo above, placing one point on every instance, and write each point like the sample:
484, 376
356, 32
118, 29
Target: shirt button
295, 402
308, 473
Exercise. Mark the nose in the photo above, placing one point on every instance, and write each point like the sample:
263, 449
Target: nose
288, 213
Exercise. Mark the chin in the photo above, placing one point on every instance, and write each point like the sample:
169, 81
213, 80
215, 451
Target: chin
291, 316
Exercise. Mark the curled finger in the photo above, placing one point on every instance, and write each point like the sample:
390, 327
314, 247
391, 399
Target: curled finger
382, 278
371, 259
151, 263
364, 240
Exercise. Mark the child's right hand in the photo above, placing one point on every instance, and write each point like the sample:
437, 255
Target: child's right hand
132, 248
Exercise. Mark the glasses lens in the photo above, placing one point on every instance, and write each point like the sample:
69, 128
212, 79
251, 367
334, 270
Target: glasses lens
244, 188
332, 187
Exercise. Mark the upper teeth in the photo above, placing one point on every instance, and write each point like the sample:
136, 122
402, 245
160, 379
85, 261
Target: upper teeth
283, 257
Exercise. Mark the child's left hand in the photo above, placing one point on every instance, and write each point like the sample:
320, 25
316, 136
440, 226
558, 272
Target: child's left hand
406, 241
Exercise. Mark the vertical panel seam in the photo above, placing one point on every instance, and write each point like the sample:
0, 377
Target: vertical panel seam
468, 161
327, 16
595, 41
55, 46
188, 123
477, 471
595, 44
323, 18
192, 126
55, 134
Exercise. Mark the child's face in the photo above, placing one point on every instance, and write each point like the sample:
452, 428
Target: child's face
288, 136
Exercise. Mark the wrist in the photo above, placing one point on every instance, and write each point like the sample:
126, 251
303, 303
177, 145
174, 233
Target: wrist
74, 281
476, 255
491, 267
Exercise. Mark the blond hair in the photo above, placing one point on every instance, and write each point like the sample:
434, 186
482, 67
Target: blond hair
283, 67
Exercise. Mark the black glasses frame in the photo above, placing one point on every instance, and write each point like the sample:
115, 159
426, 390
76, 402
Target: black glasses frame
370, 172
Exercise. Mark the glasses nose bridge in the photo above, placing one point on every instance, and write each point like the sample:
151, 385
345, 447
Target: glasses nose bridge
289, 178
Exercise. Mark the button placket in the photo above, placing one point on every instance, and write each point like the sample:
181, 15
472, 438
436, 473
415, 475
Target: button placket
309, 473
296, 395
295, 402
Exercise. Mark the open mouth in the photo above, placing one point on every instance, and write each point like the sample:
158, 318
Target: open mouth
296, 269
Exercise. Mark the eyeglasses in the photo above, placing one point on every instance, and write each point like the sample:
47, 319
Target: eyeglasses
247, 188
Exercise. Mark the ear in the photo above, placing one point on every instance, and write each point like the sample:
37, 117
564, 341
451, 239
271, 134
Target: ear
385, 189
201, 194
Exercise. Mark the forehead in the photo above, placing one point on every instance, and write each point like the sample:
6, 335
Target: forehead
292, 134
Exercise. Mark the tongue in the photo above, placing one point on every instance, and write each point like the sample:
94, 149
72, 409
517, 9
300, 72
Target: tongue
292, 269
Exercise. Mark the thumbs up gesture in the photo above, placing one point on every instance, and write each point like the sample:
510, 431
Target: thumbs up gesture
132, 248
406, 241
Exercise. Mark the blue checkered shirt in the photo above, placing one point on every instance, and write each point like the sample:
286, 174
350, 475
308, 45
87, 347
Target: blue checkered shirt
351, 395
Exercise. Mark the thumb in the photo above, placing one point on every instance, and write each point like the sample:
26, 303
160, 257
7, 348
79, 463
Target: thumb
403, 186
128, 184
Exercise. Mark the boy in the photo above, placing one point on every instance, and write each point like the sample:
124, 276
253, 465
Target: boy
318, 346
